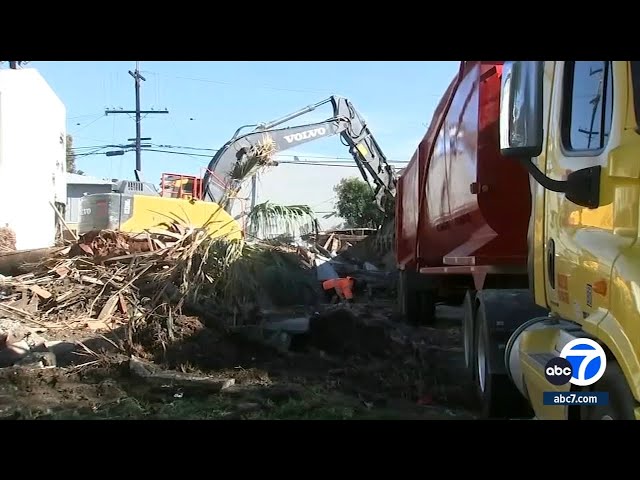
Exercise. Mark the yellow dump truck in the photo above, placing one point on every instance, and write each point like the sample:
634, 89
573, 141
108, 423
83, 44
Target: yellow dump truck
575, 127
524, 197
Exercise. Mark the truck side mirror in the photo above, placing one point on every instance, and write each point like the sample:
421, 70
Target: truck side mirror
521, 106
522, 132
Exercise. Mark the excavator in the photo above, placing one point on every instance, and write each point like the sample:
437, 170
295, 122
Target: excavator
136, 206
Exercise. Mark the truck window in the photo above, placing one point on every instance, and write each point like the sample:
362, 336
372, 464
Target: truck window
587, 112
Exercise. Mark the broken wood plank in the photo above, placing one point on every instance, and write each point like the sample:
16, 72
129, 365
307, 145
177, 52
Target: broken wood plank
25, 315
123, 304
173, 379
22, 278
67, 295
32, 306
328, 242
40, 291
93, 280
108, 308
128, 257
61, 271
13, 263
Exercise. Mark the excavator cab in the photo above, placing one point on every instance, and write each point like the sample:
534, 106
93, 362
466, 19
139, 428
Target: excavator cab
186, 187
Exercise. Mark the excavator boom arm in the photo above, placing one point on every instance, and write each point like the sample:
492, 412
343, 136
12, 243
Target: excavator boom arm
346, 121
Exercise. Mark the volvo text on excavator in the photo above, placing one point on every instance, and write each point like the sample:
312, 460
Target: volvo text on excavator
136, 206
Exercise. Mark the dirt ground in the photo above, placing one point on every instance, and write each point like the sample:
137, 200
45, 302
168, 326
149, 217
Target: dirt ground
359, 365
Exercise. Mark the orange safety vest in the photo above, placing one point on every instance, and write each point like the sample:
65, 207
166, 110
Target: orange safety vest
343, 286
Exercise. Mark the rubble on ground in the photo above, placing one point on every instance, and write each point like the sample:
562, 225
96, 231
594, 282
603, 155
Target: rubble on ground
110, 280
174, 317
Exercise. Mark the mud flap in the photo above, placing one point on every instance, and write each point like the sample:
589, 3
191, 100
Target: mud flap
468, 326
499, 314
417, 303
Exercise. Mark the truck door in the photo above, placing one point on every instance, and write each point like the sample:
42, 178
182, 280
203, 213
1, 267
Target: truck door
587, 118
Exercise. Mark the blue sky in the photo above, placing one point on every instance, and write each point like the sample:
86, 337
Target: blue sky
207, 101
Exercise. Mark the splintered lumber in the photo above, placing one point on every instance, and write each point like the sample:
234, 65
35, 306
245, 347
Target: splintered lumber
40, 291
12, 263
172, 379
61, 218
110, 278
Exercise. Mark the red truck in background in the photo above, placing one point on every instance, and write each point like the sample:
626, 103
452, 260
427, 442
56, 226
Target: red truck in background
462, 210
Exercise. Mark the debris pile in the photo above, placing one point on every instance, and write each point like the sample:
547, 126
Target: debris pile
364, 254
109, 278
339, 241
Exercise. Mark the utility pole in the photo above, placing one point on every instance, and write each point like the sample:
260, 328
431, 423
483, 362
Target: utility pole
138, 113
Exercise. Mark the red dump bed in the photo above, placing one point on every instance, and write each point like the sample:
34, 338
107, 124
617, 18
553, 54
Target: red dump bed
458, 201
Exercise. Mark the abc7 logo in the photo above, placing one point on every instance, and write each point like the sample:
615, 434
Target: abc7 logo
582, 362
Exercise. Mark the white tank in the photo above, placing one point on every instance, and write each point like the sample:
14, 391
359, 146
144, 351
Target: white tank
32, 157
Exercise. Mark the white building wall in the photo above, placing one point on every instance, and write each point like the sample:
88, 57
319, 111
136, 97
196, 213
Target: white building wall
32, 156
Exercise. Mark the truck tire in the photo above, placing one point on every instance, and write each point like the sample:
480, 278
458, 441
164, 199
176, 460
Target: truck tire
621, 404
417, 306
499, 397
468, 329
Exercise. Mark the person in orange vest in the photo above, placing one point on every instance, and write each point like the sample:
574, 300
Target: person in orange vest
340, 289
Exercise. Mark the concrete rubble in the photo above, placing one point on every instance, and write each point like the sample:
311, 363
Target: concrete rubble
21, 345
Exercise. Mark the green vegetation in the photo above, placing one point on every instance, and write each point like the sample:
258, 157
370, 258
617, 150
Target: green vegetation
355, 203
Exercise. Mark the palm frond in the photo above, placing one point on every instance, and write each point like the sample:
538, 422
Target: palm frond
250, 161
267, 220
256, 157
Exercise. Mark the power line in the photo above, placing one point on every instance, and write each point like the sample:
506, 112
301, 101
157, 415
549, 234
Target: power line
335, 160
87, 125
265, 87
235, 84
319, 164
277, 155
331, 199
187, 148
93, 152
89, 147
291, 162
317, 157
81, 116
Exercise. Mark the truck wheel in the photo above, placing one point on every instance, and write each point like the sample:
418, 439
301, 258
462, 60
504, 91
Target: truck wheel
499, 398
468, 326
621, 404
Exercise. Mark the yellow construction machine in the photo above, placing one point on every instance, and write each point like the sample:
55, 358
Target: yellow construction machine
136, 207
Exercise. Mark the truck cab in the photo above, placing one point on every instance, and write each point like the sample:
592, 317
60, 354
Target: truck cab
574, 126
